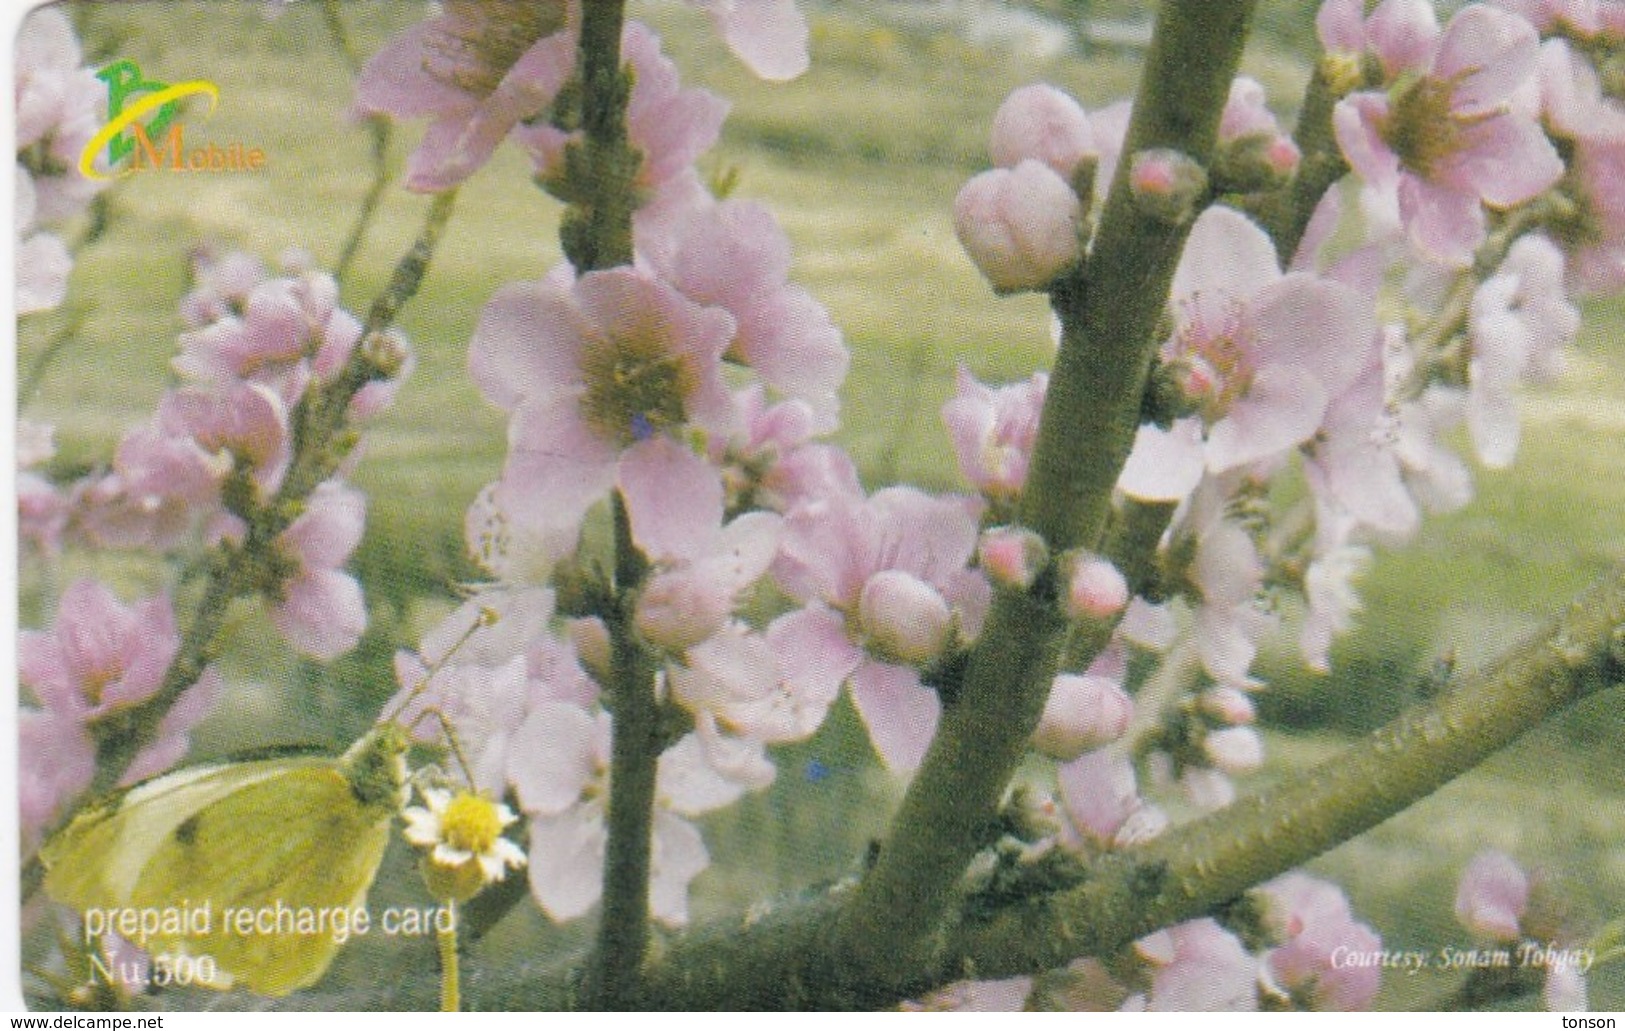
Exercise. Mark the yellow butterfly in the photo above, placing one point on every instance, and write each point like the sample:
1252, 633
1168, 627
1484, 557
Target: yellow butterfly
251, 874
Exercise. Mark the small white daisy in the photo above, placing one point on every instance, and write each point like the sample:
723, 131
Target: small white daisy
463, 832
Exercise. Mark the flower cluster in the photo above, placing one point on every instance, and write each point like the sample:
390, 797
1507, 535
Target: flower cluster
1431, 285
60, 105
99, 660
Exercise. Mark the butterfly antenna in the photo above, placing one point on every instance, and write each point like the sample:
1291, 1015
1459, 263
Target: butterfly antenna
451, 739
487, 617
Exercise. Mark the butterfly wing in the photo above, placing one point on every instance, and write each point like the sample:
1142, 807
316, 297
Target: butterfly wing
276, 862
95, 861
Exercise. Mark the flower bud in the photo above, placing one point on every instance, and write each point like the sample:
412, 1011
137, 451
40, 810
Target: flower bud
904, 618
1044, 124
1228, 704
1492, 896
591, 639
1166, 184
1095, 589
1234, 749
1012, 556
1019, 225
1082, 713
678, 610
1255, 162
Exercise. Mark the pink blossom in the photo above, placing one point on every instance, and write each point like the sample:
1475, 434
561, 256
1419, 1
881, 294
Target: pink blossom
1401, 34
746, 689
221, 285
1011, 556
1259, 353
769, 36
595, 370
887, 569
1228, 704
1198, 965
42, 511
559, 767
1022, 226
1082, 712
1045, 124
1319, 943
1579, 17
56, 764
1592, 126
1445, 140
247, 421
773, 461
670, 125
993, 431
1328, 587
42, 259
1253, 150
320, 609
700, 566
476, 71
1095, 589
733, 255
1492, 896
1234, 750
1519, 323
1353, 464
101, 655
1228, 574
1102, 800
514, 551
59, 105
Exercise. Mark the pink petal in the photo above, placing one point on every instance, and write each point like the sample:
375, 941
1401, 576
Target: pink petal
323, 614
677, 857
900, 714
555, 754
673, 497
567, 861
528, 342
1281, 409
770, 36
1357, 121
1508, 161
1403, 34
1492, 896
1164, 465
1446, 224
557, 466
1340, 24
1227, 255
331, 527
395, 82
815, 656
1490, 52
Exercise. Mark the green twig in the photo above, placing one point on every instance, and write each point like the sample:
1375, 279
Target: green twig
321, 444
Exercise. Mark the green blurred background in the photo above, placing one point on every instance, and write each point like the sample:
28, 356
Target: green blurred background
860, 159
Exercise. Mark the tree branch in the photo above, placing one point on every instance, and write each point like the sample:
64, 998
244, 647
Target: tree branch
784, 960
889, 931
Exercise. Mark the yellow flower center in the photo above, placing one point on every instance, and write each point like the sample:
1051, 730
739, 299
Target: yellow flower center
1423, 129
470, 824
634, 389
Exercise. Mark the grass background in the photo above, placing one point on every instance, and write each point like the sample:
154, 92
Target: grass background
860, 159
